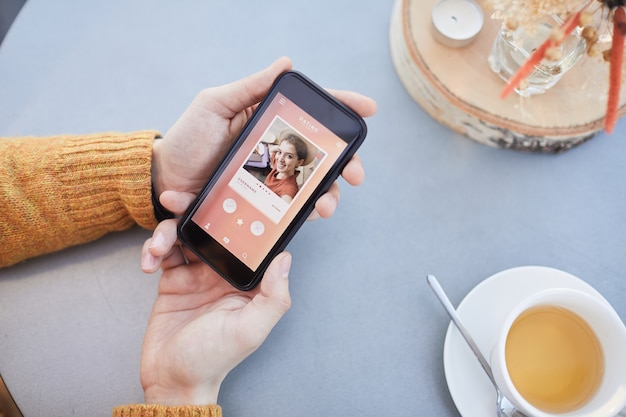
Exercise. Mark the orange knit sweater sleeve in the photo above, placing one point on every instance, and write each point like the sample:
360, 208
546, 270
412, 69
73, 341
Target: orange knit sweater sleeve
61, 191
150, 410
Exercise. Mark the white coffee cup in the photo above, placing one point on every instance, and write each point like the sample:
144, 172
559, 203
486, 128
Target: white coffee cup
610, 396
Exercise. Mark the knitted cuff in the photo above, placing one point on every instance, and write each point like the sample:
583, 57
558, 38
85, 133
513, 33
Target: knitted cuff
66, 190
152, 410
113, 173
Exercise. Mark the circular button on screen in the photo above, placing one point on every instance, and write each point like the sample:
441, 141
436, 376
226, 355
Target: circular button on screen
257, 228
229, 205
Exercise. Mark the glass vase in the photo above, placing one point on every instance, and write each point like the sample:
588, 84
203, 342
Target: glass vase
512, 48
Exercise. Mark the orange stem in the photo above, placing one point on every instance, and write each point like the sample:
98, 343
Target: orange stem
535, 58
615, 75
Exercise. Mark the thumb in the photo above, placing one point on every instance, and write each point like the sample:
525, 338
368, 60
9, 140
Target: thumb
249, 91
274, 286
270, 303
176, 201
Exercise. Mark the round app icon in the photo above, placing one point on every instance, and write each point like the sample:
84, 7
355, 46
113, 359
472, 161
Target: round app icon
229, 205
257, 228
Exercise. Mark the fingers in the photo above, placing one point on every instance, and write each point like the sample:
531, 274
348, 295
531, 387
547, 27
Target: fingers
176, 257
193, 279
353, 172
273, 299
160, 245
149, 262
363, 105
270, 303
176, 202
164, 238
326, 205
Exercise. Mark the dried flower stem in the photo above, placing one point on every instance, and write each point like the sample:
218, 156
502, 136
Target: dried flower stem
615, 77
535, 59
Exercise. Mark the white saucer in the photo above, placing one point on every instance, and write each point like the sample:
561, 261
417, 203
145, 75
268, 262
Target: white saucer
482, 311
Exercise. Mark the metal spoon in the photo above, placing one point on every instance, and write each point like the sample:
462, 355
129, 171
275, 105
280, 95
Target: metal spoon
504, 407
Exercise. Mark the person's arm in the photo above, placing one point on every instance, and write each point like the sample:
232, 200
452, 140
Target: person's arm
65, 190
61, 191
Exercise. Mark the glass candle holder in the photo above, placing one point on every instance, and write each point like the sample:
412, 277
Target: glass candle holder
512, 48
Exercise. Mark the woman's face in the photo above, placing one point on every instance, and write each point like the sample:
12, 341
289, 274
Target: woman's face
287, 159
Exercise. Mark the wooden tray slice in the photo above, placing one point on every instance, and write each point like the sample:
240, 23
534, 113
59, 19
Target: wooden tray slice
458, 89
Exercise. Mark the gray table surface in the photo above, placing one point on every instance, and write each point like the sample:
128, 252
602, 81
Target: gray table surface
365, 334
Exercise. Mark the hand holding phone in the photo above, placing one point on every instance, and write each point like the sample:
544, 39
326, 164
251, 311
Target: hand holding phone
185, 357
258, 197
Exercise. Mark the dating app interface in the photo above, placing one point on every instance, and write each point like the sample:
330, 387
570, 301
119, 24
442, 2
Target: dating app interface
283, 159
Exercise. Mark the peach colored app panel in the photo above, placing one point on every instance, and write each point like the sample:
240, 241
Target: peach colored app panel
241, 212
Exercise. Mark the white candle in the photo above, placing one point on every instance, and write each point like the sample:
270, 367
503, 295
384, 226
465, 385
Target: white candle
456, 22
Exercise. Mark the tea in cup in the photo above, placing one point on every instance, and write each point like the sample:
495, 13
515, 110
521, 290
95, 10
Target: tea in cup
562, 352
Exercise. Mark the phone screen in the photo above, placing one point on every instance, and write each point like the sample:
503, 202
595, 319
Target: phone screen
282, 161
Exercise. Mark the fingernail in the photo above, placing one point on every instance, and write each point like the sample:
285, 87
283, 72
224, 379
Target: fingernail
285, 266
148, 262
157, 240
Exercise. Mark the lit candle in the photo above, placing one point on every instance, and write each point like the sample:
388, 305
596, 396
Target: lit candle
456, 23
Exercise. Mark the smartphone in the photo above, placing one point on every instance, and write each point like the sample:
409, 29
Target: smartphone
290, 151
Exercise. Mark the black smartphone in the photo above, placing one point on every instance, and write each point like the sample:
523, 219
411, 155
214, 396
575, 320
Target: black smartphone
287, 155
